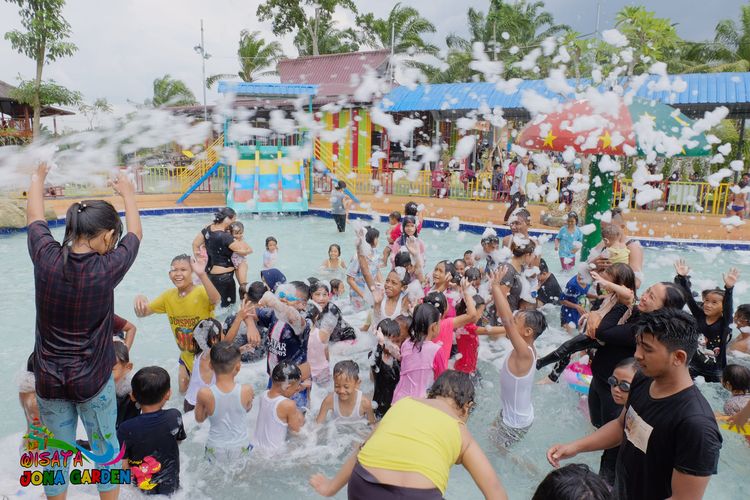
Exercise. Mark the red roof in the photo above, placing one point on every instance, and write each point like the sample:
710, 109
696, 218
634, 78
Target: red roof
332, 72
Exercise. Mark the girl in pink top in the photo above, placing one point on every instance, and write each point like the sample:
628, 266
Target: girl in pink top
449, 324
408, 241
421, 362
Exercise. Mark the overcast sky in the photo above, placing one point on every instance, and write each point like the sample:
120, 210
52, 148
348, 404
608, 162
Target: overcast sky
124, 45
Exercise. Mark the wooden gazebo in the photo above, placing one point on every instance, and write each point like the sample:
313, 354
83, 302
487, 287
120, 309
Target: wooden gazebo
15, 117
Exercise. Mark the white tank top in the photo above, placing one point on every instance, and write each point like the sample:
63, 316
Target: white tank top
396, 311
356, 415
270, 431
515, 394
229, 420
196, 381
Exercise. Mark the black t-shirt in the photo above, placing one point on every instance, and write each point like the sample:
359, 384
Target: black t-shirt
217, 248
385, 374
550, 291
126, 409
677, 432
151, 449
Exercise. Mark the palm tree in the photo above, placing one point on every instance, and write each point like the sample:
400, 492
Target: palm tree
730, 49
330, 40
256, 57
403, 22
171, 92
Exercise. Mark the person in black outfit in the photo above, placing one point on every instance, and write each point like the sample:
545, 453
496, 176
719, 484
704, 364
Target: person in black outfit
668, 439
713, 318
220, 245
151, 439
386, 367
549, 289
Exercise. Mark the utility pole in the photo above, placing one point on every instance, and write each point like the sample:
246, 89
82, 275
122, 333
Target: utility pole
201, 50
393, 50
598, 11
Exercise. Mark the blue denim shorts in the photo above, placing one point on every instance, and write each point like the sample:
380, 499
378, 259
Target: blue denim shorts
99, 417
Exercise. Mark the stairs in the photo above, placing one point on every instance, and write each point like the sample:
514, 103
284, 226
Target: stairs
338, 170
201, 164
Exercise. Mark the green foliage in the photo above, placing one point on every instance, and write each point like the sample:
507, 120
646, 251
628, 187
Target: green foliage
330, 40
292, 16
729, 50
172, 92
92, 111
50, 94
405, 23
46, 31
256, 57
651, 38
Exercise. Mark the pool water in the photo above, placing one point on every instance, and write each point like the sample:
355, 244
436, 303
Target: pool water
303, 244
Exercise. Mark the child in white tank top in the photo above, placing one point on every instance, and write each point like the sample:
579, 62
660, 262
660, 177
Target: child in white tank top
346, 402
225, 405
206, 334
277, 413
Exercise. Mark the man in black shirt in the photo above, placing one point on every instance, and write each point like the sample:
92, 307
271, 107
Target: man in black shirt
668, 437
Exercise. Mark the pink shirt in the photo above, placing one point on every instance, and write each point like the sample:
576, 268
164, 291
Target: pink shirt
419, 369
445, 338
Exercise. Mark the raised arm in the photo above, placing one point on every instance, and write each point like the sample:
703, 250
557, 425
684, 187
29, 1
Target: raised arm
682, 280
624, 294
126, 190
284, 312
199, 267
506, 315
471, 311
35, 198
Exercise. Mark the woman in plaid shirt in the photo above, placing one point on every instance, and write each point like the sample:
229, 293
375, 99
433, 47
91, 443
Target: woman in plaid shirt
75, 282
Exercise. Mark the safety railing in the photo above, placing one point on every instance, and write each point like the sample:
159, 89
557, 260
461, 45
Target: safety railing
201, 164
325, 156
677, 196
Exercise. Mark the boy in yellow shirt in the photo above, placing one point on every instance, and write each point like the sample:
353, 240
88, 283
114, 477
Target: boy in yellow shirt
185, 305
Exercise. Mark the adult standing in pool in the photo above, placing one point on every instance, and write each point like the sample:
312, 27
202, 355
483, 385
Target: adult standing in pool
411, 452
73, 349
339, 205
220, 245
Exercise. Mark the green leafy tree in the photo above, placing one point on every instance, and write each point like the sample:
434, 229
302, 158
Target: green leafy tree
308, 18
405, 23
729, 50
44, 41
46, 94
169, 91
331, 40
92, 111
651, 38
256, 57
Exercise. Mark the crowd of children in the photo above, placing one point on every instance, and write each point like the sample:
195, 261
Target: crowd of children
421, 325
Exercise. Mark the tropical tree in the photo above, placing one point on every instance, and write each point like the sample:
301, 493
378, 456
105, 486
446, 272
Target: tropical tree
405, 23
330, 40
729, 50
256, 57
295, 16
171, 92
92, 111
651, 38
44, 41
46, 93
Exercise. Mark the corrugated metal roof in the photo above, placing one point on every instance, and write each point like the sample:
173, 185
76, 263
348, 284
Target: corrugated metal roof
267, 89
702, 89
332, 72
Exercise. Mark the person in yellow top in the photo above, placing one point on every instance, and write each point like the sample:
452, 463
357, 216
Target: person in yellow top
411, 452
185, 306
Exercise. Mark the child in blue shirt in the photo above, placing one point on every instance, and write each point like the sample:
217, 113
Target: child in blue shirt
568, 242
572, 303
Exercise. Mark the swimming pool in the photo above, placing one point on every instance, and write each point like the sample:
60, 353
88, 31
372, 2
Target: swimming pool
303, 243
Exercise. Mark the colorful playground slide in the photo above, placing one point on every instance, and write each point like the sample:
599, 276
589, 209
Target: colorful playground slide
266, 180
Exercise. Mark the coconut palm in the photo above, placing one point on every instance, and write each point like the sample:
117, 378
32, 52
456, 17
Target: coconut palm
256, 57
172, 92
730, 49
403, 22
330, 39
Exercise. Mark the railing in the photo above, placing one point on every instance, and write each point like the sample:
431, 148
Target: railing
677, 196
340, 171
201, 164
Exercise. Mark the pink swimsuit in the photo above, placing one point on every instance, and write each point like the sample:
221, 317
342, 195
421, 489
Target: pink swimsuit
419, 369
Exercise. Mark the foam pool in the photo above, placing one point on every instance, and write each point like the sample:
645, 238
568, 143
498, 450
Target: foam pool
303, 243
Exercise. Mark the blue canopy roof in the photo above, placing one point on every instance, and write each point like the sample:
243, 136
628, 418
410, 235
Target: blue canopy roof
267, 89
703, 89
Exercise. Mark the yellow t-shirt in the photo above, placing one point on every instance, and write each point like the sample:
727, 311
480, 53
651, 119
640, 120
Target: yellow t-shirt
415, 437
184, 314
618, 255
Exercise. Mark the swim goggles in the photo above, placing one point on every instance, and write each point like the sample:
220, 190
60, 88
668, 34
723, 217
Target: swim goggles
613, 382
290, 298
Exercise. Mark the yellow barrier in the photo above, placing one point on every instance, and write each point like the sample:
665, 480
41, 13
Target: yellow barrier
201, 165
339, 171
678, 197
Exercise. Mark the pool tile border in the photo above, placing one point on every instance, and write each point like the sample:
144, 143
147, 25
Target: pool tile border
430, 223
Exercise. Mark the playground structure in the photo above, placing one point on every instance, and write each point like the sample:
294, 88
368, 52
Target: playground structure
263, 178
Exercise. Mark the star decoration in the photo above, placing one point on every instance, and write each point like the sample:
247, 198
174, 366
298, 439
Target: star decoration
550, 139
606, 140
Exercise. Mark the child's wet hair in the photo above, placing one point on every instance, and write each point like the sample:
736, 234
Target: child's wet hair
150, 384
519, 250
572, 482
674, 328
743, 312
462, 261
336, 284
301, 288
286, 371
627, 363
524, 214
404, 322
270, 239
255, 291
473, 274
535, 320
448, 266
453, 385
425, 315
336, 246
236, 227
543, 267
402, 259
622, 274
389, 328
346, 368
461, 305
371, 235
87, 219
208, 332
437, 300
411, 208
224, 357
405, 279
611, 231
122, 354
406, 220
224, 213
490, 239
319, 285
396, 215
180, 258
715, 291
468, 252
737, 376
